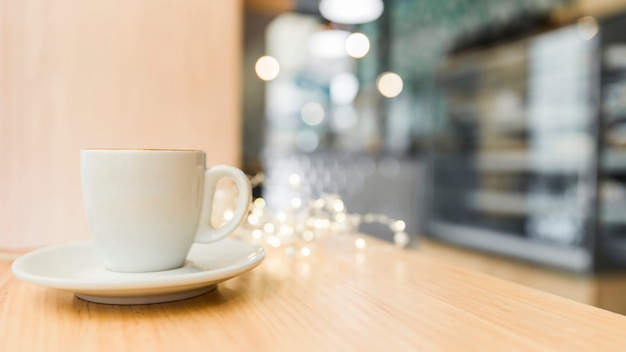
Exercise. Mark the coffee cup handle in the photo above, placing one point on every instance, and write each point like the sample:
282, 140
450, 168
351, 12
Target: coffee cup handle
206, 232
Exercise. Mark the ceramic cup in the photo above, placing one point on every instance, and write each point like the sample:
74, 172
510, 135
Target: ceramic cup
145, 208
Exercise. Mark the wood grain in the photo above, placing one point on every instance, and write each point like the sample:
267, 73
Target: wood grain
91, 74
338, 298
271, 7
573, 10
605, 290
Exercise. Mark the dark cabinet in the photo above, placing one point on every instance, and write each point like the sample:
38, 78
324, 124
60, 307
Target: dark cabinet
529, 159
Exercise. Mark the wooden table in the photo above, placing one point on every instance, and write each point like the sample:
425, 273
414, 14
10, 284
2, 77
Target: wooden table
606, 289
337, 298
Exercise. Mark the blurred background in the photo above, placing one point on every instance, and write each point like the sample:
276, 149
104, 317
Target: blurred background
493, 125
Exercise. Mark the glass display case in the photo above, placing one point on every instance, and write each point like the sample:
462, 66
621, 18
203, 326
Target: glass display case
514, 161
612, 162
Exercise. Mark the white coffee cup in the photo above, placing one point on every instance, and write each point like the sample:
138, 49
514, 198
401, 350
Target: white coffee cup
145, 208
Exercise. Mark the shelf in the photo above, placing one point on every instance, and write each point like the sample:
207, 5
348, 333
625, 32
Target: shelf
521, 204
613, 160
524, 161
612, 75
508, 124
613, 216
612, 209
612, 117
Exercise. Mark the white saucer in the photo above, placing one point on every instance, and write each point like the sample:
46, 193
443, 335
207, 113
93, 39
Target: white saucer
78, 267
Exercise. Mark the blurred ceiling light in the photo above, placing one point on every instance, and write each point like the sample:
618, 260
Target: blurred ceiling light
344, 88
351, 11
267, 68
357, 45
312, 114
328, 43
587, 27
389, 84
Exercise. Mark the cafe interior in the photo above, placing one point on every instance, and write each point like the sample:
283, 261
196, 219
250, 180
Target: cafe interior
485, 133
490, 130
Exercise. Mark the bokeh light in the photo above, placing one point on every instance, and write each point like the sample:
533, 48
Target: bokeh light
357, 45
389, 84
267, 68
328, 43
312, 114
294, 180
344, 88
351, 11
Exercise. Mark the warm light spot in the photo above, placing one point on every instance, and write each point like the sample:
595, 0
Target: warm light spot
228, 215
259, 203
274, 241
398, 226
321, 223
253, 219
286, 230
389, 84
296, 202
305, 251
267, 68
269, 227
319, 203
294, 179
256, 234
357, 45
359, 243
338, 205
401, 239
308, 236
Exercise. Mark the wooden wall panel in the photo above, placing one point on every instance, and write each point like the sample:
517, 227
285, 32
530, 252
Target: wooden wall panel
120, 74
270, 7
571, 11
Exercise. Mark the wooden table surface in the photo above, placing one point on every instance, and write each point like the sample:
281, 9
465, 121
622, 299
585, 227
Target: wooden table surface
606, 289
338, 298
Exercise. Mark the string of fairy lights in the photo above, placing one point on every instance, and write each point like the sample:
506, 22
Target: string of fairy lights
302, 222
307, 218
